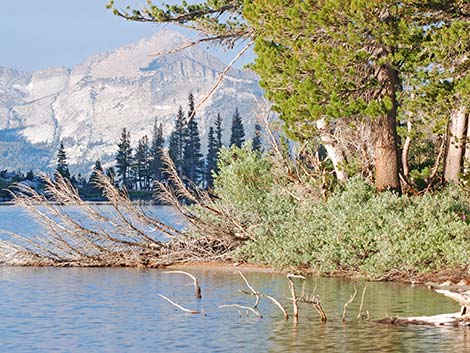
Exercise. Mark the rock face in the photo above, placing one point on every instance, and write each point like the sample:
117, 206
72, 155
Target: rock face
87, 107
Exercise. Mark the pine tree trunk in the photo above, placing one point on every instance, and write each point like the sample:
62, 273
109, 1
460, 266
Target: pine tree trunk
385, 138
335, 152
455, 145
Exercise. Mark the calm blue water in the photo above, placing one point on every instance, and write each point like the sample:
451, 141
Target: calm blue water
17, 220
118, 310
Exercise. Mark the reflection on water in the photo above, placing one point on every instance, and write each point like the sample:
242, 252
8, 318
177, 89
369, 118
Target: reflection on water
18, 220
118, 310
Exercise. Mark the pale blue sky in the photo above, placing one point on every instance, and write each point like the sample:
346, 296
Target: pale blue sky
37, 34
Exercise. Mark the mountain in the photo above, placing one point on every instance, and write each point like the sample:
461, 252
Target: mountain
87, 106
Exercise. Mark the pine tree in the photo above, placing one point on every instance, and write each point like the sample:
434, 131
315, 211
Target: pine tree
62, 165
176, 144
73, 181
124, 158
211, 159
193, 162
257, 144
156, 153
97, 169
218, 132
237, 136
30, 175
190, 106
111, 174
94, 177
80, 181
141, 164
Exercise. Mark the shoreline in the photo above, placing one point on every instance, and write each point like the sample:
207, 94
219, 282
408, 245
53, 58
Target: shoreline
446, 275
454, 276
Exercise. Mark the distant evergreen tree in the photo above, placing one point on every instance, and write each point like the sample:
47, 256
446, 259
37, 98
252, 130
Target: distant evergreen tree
80, 181
74, 181
176, 144
124, 158
218, 132
257, 144
193, 162
190, 106
62, 165
97, 169
237, 136
111, 174
141, 164
156, 153
93, 182
30, 175
211, 159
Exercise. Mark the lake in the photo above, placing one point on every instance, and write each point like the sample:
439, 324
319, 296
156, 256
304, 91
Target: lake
119, 310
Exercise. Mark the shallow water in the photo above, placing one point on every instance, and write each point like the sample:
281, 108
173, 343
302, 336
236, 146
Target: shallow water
118, 310
18, 220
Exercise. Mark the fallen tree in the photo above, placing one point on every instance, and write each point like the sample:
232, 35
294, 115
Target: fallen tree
127, 235
459, 292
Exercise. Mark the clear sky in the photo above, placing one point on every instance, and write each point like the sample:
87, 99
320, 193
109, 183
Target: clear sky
37, 34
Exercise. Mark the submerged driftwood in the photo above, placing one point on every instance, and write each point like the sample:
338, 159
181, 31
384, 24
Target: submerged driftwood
459, 292
455, 319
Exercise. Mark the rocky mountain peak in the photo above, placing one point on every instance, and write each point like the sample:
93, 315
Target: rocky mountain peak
88, 106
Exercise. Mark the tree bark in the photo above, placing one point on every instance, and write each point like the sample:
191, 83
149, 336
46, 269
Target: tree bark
384, 130
334, 151
406, 150
466, 160
455, 145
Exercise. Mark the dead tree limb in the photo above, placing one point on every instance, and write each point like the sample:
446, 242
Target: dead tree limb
179, 306
253, 291
345, 308
197, 287
315, 302
219, 80
359, 315
254, 311
272, 299
259, 295
295, 306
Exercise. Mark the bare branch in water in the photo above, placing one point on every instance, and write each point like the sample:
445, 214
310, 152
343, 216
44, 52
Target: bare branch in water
254, 311
197, 288
345, 308
179, 306
359, 315
259, 295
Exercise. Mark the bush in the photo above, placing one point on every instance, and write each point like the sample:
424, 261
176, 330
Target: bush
356, 229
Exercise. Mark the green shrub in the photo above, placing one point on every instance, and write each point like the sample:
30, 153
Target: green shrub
356, 229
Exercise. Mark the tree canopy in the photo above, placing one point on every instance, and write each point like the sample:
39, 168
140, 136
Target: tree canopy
333, 65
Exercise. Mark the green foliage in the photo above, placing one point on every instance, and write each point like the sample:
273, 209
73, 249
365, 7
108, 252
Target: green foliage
320, 59
355, 230
344, 59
